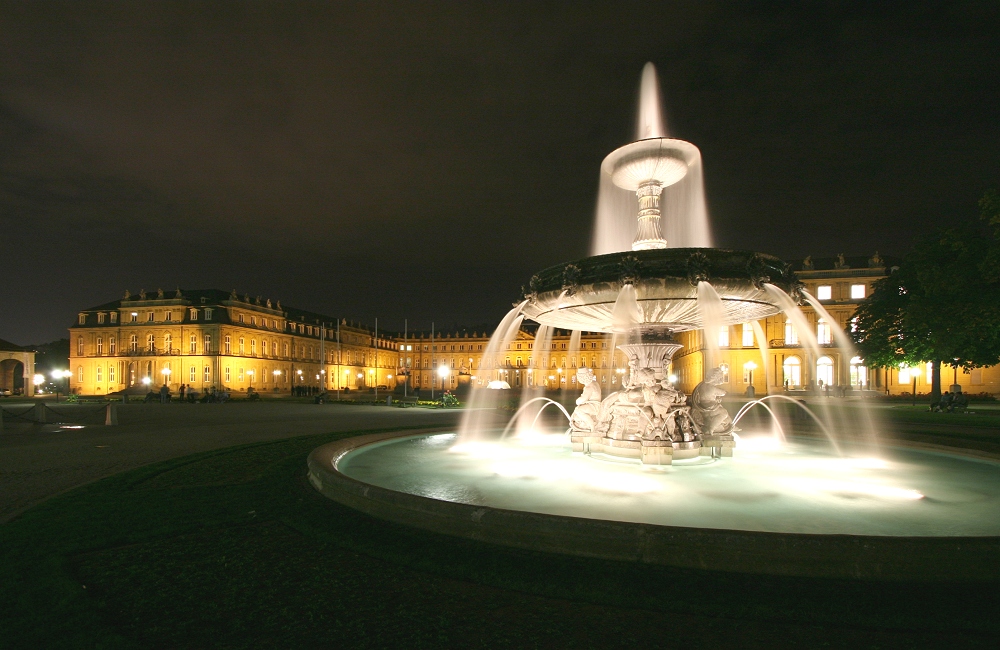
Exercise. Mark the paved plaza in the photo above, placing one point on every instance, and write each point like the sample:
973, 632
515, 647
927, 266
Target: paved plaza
39, 461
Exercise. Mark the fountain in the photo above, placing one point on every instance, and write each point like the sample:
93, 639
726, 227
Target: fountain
647, 473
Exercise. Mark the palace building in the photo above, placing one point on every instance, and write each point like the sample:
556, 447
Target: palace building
211, 338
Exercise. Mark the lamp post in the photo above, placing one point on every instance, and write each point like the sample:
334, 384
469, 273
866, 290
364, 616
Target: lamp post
443, 373
58, 375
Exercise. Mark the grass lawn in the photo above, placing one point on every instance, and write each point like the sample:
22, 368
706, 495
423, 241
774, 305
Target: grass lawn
233, 548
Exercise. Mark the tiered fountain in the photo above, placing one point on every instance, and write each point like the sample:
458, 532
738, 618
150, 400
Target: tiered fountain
665, 496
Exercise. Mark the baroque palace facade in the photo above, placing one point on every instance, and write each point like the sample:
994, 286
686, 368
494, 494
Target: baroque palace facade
211, 338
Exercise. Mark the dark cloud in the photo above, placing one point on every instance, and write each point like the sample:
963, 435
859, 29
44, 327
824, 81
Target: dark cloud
422, 160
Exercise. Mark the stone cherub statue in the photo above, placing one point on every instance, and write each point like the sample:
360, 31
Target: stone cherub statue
588, 404
707, 412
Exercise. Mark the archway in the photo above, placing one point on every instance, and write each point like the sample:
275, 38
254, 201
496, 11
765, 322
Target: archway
11, 377
793, 372
824, 371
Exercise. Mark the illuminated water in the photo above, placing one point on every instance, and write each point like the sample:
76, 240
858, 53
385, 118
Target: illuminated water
799, 487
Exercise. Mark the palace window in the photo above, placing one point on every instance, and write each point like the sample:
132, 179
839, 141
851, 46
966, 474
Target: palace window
724, 336
79, 346
207, 344
208, 374
241, 318
747, 335
229, 376
149, 317
253, 347
791, 336
111, 373
823, 332
857, 292
134, 317
240, 375
792, 372
100, 345
824, 292
748, 369
724, 368
170, 316
114, 317
284, 350
194, 315
253, 321
150, 343
274, 348
112, 345
99, 376
79, 374
229, 345
193, 345
242, 345
168, 343
82, 319
193, 374
824, 371
208, 314
100, 317
133, 343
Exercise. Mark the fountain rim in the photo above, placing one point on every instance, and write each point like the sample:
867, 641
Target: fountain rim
832, 555
689, 154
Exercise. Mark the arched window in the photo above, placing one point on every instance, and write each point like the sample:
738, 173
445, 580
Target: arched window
791, 336
792, 370
823, 334
824, 371
859, 372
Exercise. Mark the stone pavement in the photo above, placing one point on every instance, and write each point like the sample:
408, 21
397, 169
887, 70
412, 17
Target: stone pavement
39, 461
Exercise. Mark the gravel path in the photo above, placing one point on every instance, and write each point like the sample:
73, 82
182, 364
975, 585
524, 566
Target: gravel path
39, 461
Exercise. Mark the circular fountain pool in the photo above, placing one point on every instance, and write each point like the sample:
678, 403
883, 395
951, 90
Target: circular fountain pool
799, 487
791, 509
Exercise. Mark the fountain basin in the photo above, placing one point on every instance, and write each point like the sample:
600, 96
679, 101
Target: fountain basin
581, 295
419, 482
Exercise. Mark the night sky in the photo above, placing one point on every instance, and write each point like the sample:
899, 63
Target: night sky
421, 161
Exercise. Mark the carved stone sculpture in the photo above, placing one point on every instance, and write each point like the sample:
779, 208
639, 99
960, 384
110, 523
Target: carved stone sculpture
588, 404
707, 411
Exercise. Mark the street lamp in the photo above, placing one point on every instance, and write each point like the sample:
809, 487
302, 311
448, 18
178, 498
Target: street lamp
443, 373
61, 374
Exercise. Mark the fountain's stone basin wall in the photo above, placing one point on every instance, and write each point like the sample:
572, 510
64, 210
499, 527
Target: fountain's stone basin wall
969, 559
582, 294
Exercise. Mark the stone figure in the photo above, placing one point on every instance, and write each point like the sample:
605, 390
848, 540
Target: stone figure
128, 295
707, 412
159, 293
841, 263
588, 404
142, 294
807, 263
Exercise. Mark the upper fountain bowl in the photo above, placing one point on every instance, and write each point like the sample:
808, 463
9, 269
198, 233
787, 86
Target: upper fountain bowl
663, 160
581, 295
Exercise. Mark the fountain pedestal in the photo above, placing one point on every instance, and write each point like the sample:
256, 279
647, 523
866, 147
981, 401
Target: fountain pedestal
649, 419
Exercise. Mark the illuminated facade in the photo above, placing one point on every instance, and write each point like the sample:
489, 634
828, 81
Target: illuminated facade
213, 339
216, 339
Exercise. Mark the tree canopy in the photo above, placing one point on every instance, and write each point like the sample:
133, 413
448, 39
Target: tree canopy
943, 302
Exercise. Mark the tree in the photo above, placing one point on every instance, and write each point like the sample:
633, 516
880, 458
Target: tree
942, 304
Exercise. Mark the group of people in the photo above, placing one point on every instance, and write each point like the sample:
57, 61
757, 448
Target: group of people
305, 391
948, 402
